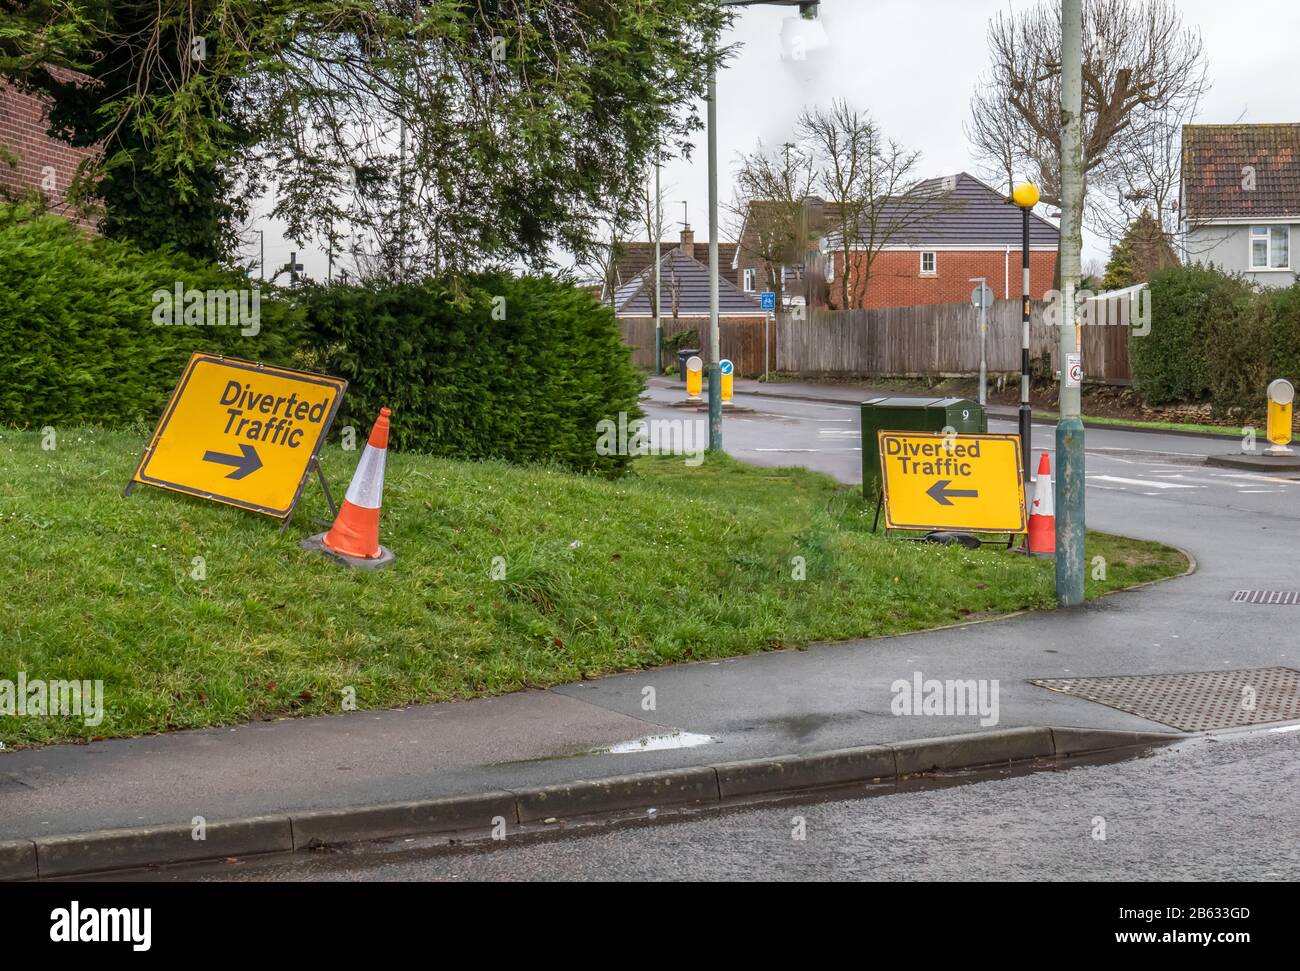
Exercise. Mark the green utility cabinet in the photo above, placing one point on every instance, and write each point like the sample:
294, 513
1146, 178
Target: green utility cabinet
912, 415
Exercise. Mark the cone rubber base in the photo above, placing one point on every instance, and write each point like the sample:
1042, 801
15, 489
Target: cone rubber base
385, 557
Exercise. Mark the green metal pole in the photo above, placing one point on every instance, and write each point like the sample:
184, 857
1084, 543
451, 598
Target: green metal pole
715, 355
657, 229
1070, 524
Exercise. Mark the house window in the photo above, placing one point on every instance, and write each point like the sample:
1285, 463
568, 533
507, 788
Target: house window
928, 263
749, 279
830, 267
1270, 247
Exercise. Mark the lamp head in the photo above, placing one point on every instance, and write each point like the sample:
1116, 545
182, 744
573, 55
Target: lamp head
1025, 195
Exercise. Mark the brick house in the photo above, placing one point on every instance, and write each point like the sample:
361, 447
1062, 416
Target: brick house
788, 264
684, 288
962, 229
684, 306
31, 162
965, 229
633, 257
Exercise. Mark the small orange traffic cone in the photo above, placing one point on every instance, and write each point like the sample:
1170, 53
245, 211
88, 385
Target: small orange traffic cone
1042, 513
355, 533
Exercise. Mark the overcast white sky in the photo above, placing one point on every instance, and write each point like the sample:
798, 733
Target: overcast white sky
913, 65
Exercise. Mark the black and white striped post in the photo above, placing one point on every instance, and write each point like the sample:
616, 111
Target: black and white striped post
1025, 196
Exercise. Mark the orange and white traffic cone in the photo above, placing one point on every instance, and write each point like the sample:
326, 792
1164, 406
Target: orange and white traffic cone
1042, 513
354, 537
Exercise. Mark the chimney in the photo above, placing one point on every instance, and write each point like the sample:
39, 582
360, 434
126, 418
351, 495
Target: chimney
688, 241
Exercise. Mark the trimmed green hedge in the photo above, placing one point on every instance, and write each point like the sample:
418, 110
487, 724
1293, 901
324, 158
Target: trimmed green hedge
1214, 338
78, 341
490, 366
520, 368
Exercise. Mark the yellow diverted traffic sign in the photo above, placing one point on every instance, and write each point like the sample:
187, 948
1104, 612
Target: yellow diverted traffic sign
966, 482
241, 433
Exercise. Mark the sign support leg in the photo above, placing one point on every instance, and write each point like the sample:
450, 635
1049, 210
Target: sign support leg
325, 487
314, 463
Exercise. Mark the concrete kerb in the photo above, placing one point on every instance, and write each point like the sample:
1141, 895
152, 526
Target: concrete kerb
125, 849
18, 860
712, 785
355, 824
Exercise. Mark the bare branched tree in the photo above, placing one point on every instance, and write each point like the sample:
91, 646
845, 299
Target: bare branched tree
768, 211
1142, 178
603, 261
874, 197
1144, 73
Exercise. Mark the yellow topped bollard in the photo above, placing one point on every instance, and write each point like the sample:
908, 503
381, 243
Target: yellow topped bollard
1281, 395
725, 368
694, 377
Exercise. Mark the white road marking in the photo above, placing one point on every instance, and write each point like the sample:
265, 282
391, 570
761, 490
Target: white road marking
1255, 477
1147, 483
1191, 478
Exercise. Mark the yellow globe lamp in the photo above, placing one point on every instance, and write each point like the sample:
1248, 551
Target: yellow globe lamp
1025, 195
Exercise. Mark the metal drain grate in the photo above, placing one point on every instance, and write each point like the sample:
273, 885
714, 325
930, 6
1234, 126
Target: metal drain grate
1194, 702
1266, 597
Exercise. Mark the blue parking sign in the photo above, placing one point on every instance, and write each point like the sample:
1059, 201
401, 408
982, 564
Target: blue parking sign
769, 300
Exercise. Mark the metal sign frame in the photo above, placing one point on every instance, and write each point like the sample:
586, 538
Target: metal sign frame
313, 461
881, 434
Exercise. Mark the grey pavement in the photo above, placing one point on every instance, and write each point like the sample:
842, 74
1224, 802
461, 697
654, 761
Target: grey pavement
1243, 529
1206, 810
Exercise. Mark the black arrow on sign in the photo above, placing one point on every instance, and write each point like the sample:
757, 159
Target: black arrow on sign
244, 464
940, 493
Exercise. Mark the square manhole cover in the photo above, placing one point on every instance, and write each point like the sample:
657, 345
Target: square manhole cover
1194, 702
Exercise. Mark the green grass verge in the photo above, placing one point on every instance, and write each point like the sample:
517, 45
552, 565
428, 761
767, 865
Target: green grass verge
1225, 431
670, 564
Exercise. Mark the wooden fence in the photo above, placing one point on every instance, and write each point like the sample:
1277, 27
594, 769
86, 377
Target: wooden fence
741, 339
931, 341
938, 340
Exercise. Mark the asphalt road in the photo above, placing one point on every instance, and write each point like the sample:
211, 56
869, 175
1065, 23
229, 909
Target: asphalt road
827, 437
1205, 810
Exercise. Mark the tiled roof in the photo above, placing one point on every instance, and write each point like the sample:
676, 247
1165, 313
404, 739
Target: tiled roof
961, 211
1239, 171
638, 255
691, 278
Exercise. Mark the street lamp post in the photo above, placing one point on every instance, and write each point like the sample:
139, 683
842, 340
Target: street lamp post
1070, 525
1025, 196
715, 356
808, 10
655, 225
